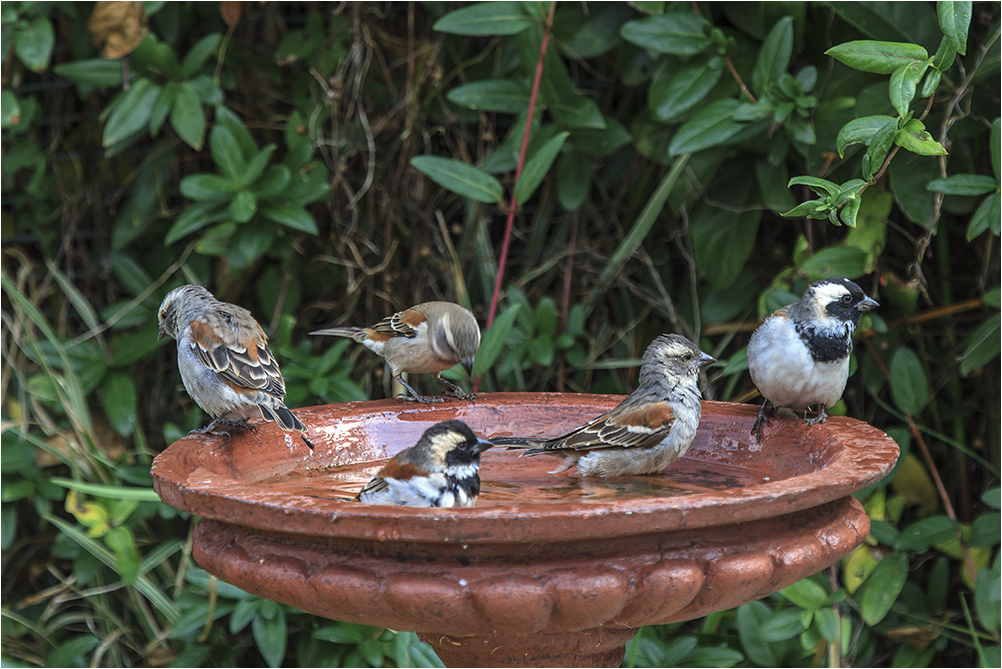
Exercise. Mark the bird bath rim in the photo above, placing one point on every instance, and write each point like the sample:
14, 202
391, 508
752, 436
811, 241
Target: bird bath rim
202, 474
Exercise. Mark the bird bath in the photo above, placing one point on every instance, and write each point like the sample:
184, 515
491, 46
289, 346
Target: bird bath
548, 569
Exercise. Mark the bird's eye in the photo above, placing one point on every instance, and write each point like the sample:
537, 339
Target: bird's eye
846, 299
687, 357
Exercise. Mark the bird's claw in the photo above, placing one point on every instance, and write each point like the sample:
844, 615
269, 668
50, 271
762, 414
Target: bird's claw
763, 419
820, 418
421, 398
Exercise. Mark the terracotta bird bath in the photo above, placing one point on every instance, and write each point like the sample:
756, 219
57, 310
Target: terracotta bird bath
548, 569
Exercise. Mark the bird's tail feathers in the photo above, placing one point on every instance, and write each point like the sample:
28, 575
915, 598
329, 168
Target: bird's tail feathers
358, 334
286, 420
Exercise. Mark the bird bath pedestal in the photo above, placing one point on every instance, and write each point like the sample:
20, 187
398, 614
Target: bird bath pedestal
548, 569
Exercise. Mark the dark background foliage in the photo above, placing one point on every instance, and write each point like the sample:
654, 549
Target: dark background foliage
331, 164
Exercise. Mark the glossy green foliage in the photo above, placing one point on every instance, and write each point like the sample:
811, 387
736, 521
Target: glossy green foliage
689, 168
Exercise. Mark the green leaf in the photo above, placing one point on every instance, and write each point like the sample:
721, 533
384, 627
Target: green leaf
227, 151
860, 131
915, 138
877, 57
274, 181
954, 21
675, 91
993, 498
207, 187
72, 653
118, 395
723, 233
987, 598
678, 34
601, 142
244, 206
926, 533
844, 261
494, 339
460, 178
711, 126
187, 117
641, 227
943, 59
98, 72
109, 491
982, 347
536, 168
271, 635
497, 95
143, 584
132, 114
994, 146
198, 54
964, 184
120, 541
290, 215
240, 135
880, 143
909, 385
255, 166
195, 218
986, 217
806, 594
985, 531
774, 58
904, 81
33, 44
573, 180
486, 18
882, 587
577, 111
784, 625
163, 107
750, 618
816, 184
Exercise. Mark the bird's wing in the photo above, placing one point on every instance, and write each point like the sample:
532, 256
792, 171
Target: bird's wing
401, 324
241, 356
641, 427
376, 486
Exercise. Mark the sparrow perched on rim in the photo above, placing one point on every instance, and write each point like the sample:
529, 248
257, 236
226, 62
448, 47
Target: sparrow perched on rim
647, 430
224, 360
425, 339
441, 470
799, 356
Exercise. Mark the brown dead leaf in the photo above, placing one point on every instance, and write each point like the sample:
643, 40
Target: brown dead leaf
230, 10
117, 27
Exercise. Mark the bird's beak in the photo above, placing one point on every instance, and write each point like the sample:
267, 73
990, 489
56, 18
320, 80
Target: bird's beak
867, 304
468, 366
483, 445
161, 333
705, 359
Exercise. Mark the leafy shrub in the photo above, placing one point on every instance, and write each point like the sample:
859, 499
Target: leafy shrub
687, 168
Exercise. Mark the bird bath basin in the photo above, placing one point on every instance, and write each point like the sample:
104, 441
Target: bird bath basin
548, 569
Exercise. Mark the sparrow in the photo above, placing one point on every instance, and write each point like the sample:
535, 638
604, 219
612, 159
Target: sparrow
224, 359
799, 356
428, 338
440, 470
647, 430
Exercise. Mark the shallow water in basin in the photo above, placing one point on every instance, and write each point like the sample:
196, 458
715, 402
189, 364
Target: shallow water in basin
509, 479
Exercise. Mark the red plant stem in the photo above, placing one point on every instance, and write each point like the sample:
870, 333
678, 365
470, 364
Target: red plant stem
506, 240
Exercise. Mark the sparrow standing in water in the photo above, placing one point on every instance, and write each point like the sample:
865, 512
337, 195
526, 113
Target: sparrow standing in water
428, 338
441, 470
799, 356
224, 360
647, 430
